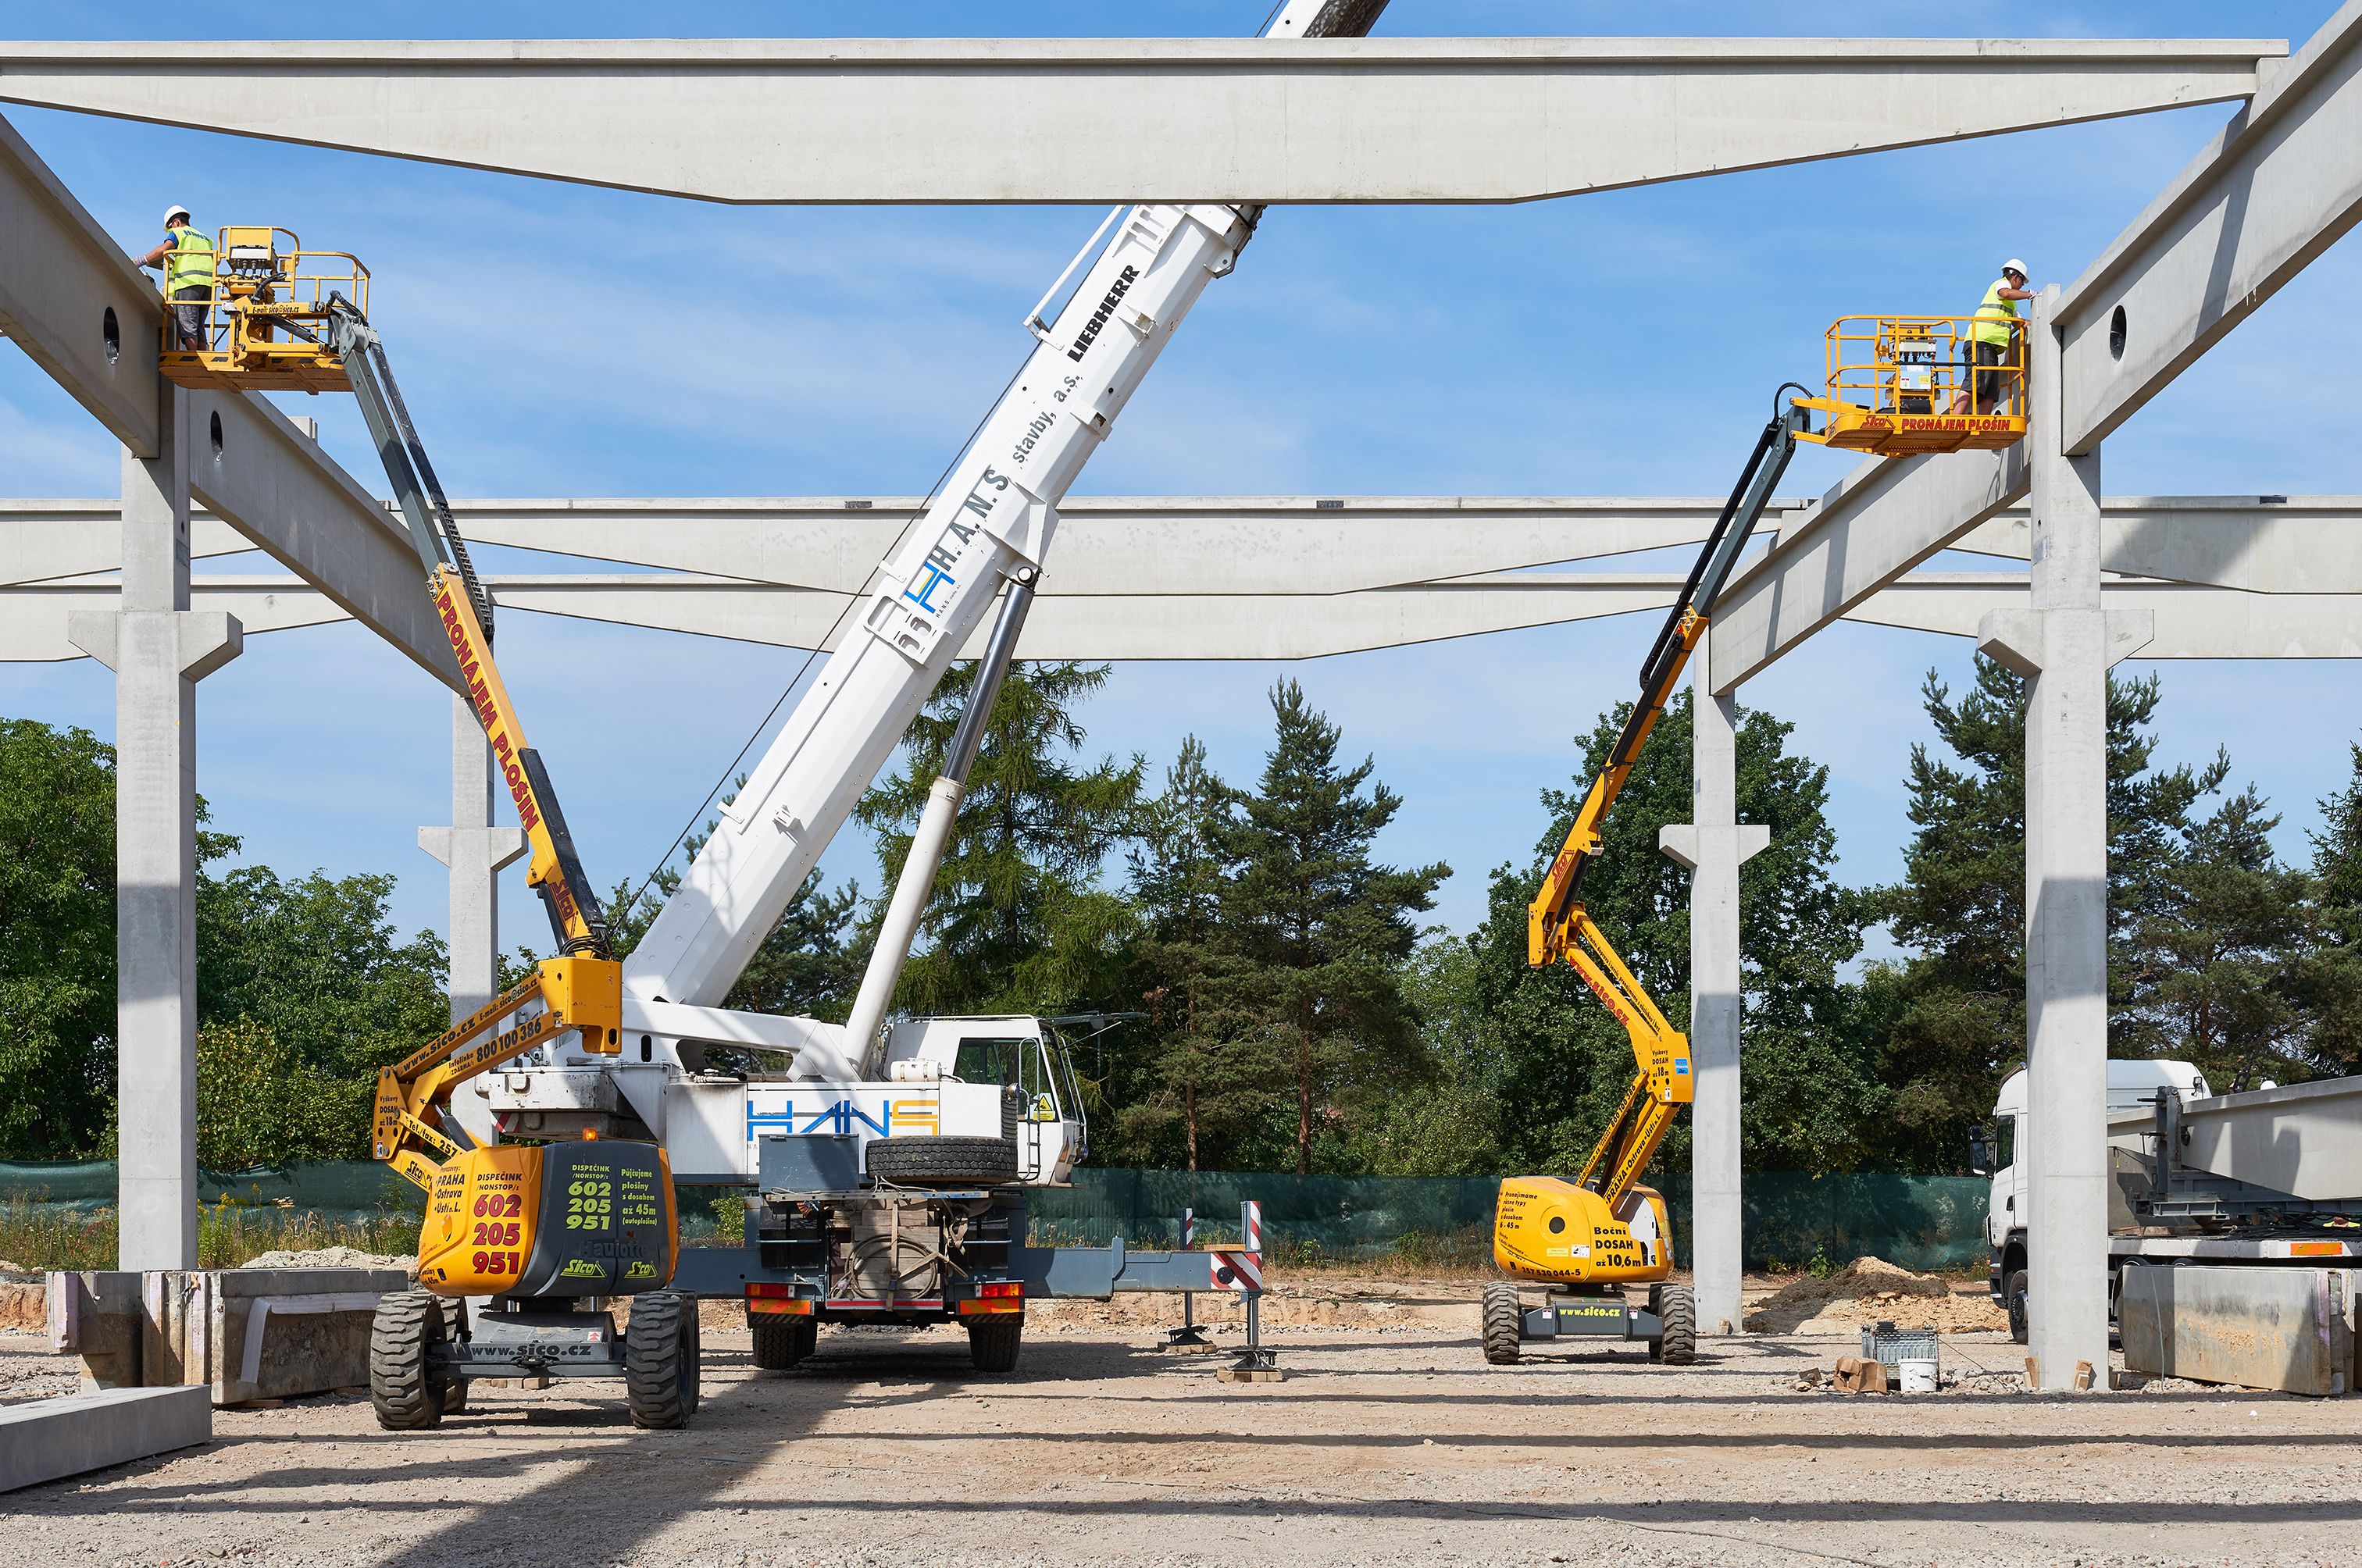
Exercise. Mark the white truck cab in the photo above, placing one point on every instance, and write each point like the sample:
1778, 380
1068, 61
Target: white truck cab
2133, 1086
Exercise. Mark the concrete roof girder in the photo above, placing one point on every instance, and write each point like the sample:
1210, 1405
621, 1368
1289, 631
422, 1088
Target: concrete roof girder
1398, 120
2286, 544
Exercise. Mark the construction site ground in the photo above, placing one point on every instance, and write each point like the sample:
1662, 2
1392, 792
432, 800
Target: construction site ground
1390, 1442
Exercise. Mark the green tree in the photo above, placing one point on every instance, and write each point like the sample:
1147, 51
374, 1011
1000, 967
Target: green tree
57, 939
1197, 1082
1810, 1092
1018, 921
1324, 926
1449, 1124
1955, 1013
261, 1103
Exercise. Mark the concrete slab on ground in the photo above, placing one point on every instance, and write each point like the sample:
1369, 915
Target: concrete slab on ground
47, 1439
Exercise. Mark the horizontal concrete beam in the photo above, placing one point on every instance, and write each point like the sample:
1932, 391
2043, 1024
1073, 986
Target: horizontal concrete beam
2275, 189
2259, 544
1185, 545
1097, 120
2191, 622
1880, 521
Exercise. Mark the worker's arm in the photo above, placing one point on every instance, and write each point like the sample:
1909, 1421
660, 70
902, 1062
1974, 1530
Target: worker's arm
2014, 293
156, 257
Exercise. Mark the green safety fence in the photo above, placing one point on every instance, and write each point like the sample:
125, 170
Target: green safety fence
1788, 1218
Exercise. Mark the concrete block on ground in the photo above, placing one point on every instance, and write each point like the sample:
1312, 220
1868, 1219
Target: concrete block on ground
96, 1315
2289, 1329
46, 1438
262, 1334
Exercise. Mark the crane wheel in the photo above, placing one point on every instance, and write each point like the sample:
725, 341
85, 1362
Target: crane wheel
993, 1342
406, 1397
1678, 1307
1504, 1317
943, 1162
660, 1356
780, 1342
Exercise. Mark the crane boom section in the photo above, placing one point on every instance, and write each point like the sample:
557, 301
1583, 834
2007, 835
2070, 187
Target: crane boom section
996, 514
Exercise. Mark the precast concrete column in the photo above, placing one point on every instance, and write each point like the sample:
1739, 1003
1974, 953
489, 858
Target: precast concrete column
159, 649
2064, 643
1713, 847
476, 852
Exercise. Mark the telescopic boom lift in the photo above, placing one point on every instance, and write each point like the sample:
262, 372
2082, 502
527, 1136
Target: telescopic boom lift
1602, 1230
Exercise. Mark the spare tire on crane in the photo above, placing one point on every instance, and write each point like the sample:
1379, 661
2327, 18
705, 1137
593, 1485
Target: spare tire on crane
943, 1162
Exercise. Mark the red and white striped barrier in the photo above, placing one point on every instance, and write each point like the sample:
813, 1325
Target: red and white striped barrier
1251, 1224
1235, 1270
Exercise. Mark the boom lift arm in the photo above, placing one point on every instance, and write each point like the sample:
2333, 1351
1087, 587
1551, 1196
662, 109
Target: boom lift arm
1557, 924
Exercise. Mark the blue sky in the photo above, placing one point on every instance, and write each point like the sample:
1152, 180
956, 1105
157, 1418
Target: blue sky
558, 340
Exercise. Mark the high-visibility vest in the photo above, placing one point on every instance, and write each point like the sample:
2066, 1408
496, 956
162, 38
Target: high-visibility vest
191, 265
1994, 312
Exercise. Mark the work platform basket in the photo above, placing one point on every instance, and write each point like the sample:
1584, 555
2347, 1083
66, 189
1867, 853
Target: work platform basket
1899, 386
266, 324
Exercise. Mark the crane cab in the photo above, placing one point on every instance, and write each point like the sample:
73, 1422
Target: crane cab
1902, 386
264, 325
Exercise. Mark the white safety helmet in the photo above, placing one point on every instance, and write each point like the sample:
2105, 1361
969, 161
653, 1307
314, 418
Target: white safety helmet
174, 211
2014, 265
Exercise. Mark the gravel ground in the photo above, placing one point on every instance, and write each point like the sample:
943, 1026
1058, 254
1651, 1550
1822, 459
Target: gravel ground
1381, 1448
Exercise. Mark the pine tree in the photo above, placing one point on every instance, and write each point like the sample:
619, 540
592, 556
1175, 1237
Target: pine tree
1200, 1076
1955, 1013
1324, 926
1018, 921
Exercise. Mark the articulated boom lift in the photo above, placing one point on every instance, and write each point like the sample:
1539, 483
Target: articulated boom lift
1589, 1236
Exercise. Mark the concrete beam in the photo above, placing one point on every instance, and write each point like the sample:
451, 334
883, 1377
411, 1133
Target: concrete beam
257, 469
2259, 544
2275, 189
74, 302
1880, 521
1100, 120
2192, 621
1120, 544
43, 1440
42, 540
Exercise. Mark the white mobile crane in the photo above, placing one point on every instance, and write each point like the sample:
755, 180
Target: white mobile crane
888, 1164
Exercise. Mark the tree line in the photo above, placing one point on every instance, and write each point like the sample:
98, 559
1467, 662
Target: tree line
1249, 986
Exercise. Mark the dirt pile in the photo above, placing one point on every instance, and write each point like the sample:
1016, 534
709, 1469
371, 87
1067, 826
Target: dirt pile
330, 1257
1867, 1290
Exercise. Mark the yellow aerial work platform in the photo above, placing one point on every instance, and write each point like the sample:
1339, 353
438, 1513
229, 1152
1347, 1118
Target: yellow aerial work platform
262, 325
1899, 386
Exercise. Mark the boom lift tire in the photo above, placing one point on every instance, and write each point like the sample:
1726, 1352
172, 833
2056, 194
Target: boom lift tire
660, 1354
780, 1342
1676, 1307
2020, 1328
406, 1397
993, 1342
943, 1162
1502, 1315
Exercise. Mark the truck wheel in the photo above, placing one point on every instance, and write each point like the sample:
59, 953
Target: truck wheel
1678, 1307
660, 1357
993, 1342
781, 1342
1503, 1319
407, 1396
2018, 1328
943, 1162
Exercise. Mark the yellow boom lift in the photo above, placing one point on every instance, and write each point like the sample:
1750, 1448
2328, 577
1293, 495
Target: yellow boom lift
1588, 1238
536, 1229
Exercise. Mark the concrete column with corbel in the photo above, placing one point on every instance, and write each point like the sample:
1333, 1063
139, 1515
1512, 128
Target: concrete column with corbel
159, 649
2064, 644
476, 852
1713, 847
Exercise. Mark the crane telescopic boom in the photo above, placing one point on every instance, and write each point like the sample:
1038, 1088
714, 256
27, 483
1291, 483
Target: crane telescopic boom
1558, 926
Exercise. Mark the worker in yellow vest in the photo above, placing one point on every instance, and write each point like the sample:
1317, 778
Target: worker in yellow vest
187, 259
1989, 340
